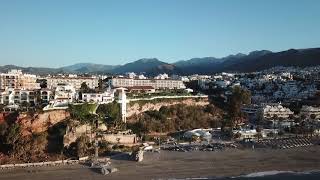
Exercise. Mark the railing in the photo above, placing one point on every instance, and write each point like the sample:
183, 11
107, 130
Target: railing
38, 164
166, 97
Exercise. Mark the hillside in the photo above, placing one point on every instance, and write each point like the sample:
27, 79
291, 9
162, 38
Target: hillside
291, 57
88, 68
148, 66
254, 61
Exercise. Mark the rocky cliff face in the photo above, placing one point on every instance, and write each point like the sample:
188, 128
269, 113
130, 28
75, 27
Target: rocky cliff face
75, 130
40, 122
136, 108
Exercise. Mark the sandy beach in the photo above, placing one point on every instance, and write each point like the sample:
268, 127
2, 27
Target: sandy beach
169, 164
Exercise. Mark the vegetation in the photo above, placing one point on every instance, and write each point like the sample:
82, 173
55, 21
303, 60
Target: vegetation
174, 92
11, 136
82, 146
32, 148
101, 85
84, 87
83, 112
111, 114
177, 117
27, 148
155, 101
235, 101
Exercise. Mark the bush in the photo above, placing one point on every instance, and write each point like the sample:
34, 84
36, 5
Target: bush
177, 117
83, 112
82, 146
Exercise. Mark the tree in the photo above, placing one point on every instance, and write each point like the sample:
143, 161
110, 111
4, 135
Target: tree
82, 146
39, 143
259, 133
111, 113
100, 85
43, 83
193, 85
25, 105
303, 116
3, 128
236, 100
313, 116
84, 87
12, 136
83, 112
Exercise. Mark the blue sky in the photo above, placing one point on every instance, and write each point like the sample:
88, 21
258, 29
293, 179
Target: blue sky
63, 32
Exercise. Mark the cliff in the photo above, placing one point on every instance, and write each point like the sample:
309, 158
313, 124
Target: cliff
136, 108
40, 122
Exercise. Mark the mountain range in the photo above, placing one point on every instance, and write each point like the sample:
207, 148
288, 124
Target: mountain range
254, 61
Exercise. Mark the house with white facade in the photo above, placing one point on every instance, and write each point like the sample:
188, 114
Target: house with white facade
64, 93
100, 97
272, 111
310, 111
11, 96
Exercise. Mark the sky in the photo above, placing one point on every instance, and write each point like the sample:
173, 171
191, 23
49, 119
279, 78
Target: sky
56, 33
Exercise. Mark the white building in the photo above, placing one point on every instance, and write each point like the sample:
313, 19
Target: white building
101, 98
245, 133
17, 96
141, 76
131, 74
155, 83
162, 76
269, 111
201, 133
223, 83
64, 93
17, 80
92, 82
253, 134
46, 95
309, 111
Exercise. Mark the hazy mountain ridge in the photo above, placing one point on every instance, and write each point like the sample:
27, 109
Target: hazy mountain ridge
254, 61
88, 68
139, 66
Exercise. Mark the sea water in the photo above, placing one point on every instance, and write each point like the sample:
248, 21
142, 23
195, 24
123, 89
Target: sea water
267, 175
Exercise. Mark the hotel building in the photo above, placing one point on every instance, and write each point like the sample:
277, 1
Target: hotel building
155, 83
92, 82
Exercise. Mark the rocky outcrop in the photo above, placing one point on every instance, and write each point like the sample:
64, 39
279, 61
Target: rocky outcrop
76, 130
40, 122
136, 108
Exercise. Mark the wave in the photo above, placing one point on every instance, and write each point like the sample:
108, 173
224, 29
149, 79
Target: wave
262, 175
273, 173
266, 173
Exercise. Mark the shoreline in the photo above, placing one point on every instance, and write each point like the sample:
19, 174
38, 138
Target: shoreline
168, 165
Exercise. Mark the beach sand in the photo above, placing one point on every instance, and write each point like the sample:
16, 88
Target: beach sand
167, 164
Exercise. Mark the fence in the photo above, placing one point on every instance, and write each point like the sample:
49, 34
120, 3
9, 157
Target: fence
38, 164
167, 97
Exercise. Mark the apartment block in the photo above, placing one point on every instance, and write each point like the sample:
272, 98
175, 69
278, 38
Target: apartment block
155, 83
17, 80
52, 82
